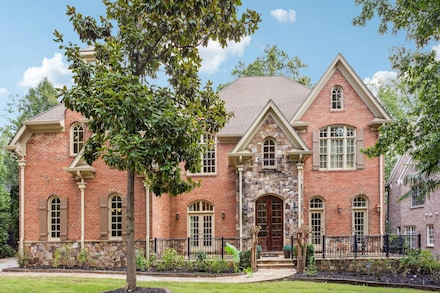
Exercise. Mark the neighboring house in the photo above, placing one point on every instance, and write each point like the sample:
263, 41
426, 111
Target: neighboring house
416, 214
289, 157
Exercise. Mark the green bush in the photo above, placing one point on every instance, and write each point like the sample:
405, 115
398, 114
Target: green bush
245, 259
310, 252
170, 260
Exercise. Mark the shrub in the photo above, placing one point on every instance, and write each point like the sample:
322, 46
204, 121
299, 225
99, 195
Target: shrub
84, 258
170, 260
245, 259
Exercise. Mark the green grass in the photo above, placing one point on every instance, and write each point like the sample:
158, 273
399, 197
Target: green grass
75, 284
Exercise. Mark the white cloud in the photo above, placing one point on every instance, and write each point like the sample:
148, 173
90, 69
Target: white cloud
283, 15
53, 68
3, 90
379, 79
436, 49
213, 55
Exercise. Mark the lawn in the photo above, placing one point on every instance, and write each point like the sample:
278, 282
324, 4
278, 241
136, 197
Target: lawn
75, 284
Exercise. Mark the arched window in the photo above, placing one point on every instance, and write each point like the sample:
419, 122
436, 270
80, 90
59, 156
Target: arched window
316, 208
76, 138
337, 98
208, 158
269, 153
115, 216
360, 220
201, 228
337, 145
54, 218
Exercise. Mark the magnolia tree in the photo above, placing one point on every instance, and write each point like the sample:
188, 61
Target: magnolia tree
142, 126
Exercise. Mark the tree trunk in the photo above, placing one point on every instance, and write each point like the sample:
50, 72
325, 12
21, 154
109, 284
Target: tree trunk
131, 248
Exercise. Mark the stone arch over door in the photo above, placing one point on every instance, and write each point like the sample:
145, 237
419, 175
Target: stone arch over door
270, 217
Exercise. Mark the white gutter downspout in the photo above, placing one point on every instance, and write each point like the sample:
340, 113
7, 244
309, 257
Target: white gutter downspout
147, 219
300, 167
381, 190
240, 208
22, 165
82, 186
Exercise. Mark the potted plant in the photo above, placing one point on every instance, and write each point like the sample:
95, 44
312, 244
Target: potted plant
259, 249
287, 249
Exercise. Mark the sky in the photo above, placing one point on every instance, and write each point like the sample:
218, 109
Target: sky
313, 30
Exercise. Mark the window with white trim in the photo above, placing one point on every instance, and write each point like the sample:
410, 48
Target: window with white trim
268, 152
360, 221
337, 145
76, 138
337, 98
54, 217
201, 228
417, 198
209, 154
115, 216
411, 231
430, 235
316, 212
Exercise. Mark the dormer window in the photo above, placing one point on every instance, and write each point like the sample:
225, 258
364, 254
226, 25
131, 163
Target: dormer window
76, 138
337, 98
269, 153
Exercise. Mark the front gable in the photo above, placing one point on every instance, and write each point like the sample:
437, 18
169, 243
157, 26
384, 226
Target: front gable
269, 123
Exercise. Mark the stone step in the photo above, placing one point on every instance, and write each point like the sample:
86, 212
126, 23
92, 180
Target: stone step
275, 262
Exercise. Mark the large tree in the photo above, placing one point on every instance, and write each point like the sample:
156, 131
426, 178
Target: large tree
417, 133
141, 125
274, 62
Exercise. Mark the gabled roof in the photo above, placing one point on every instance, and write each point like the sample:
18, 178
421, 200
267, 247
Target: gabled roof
247, 96
339, 63
299, 148
80, 168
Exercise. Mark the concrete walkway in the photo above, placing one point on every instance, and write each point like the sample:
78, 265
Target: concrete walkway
259, 276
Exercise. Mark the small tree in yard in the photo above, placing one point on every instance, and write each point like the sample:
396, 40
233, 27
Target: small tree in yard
138, 125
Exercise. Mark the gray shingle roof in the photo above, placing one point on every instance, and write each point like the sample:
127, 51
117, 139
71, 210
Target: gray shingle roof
247, 96
54, 113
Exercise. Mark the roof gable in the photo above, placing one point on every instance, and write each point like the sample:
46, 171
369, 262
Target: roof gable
340, 64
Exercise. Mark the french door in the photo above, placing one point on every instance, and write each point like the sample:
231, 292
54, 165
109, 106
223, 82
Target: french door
269, 217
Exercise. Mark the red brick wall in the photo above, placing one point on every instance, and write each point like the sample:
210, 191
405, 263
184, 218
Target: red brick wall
340, 187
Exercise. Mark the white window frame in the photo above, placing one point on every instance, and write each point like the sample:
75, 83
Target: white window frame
208, 156
115, 214
410, 230
77, 138
360, 205
202, 210
337, 99
430, 234
337, 148
54, 218
268, 153
316, 206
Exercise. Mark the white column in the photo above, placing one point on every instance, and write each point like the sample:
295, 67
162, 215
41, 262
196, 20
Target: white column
381, 190
300, 167
240, 208
82, 186
22, 165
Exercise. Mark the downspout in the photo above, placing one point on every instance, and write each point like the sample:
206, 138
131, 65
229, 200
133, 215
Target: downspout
381, 191
147, 219
22, 165
300, 167
240, 208
82, 186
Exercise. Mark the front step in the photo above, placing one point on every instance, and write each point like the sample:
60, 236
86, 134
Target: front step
274, 260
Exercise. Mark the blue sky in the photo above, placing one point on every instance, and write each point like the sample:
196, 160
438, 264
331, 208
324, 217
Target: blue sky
314, 30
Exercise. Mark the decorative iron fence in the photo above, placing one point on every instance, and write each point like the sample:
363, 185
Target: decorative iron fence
191, 247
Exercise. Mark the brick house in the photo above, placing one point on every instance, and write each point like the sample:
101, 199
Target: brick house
415, 215
289, 157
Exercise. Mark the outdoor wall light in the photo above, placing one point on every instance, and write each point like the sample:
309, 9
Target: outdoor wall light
339, 209
377, 208
223, 215
177, 216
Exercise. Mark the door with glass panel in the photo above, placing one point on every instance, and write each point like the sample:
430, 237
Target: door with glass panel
201, 226
270, 219
316, 208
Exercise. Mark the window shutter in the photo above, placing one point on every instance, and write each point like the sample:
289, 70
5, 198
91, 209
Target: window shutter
42, 218
359, 145
315, 150
103, 217
124, 217
63, 219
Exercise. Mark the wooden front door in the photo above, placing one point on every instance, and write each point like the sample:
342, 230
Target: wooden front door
270, 219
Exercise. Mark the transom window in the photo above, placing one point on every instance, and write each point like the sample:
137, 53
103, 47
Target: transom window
77, 138
54, 218
337, 147
269, 153
115, 214
336, 99
208, 156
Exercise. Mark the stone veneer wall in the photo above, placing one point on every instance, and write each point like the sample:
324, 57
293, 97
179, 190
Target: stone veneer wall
258, 182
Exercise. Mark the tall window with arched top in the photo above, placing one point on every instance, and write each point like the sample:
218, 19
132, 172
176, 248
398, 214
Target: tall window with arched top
54, 218
115, 216
337, 98
208, 156
269, 149
337, 146
200, 221
316, 208
360, 220
76, 138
